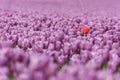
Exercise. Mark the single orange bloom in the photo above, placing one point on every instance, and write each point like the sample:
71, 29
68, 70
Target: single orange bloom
85, 29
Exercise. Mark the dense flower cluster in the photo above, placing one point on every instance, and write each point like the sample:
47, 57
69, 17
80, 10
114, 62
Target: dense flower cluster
36, 46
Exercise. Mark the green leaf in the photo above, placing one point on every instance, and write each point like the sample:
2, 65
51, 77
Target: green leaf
105, 65
118, 69
14, 46
11, 77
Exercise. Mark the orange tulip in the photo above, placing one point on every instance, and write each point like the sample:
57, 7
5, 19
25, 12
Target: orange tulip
85, 30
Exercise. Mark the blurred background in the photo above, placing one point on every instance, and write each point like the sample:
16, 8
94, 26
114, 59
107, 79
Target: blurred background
66, 6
